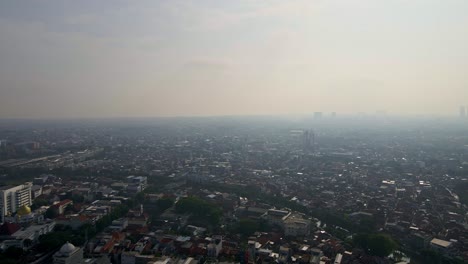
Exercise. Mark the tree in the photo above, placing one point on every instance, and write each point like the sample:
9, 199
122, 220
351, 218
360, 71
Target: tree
375, 244
381, 245
247, 227
38, 203
140, 197
51, 241
199, 209
106, 220
431, 257
264, 226
27, 243
77, 198
367, 224
164, 203
69, 209
51, 213
460, 189
88, 229
13, 252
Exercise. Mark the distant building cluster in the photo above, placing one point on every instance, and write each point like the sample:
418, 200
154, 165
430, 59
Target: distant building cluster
255, 193
463, 112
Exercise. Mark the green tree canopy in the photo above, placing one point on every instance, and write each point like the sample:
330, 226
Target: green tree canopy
38, 203
375, 244
51, 213
164, 203
13, 252
199, 208
247, 227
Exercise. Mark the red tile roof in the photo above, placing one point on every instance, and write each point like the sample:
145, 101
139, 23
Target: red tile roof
9, 229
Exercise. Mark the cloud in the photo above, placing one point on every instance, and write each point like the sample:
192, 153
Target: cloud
82, 20
227, 57
207, 64
194, 16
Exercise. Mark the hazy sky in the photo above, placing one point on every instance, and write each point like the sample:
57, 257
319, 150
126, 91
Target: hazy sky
233, 57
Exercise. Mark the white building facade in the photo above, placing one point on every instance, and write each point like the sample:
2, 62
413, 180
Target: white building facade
69, 254
13, 197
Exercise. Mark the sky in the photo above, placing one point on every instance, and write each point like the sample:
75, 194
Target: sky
126, 58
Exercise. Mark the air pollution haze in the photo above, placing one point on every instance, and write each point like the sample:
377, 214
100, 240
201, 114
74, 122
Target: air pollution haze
86, 59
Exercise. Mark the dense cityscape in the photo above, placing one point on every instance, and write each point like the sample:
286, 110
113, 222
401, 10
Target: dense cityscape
323, 189
234, 132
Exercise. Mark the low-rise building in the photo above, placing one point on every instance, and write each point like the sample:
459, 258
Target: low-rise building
69, 254
276, 217
442, 246
296, 225
31, 233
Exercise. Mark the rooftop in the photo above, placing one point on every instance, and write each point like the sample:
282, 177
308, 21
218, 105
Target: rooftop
441, 243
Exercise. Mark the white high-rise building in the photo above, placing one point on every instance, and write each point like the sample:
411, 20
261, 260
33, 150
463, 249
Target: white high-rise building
13, 197
462, 112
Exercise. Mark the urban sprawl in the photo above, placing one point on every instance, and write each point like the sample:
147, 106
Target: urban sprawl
234, 190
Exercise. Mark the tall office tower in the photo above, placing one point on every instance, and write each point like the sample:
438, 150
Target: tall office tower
312, 138
308, 140
318, 115
305, 140
13, 197
462, 112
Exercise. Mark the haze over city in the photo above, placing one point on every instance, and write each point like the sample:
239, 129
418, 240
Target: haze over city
68, 59
234, 132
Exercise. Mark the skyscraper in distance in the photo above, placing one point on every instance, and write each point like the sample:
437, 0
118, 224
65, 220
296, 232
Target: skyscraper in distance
462, 112
308, 140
